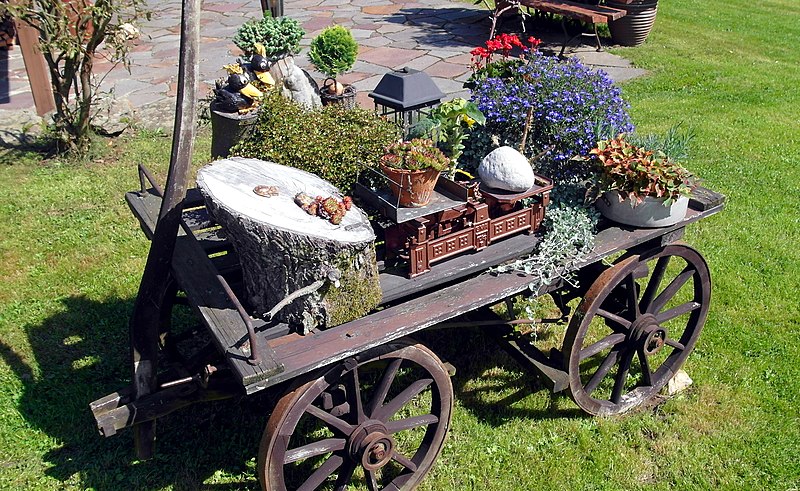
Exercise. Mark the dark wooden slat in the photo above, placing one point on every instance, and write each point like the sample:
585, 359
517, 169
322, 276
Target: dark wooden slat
214, 240
316, 350
197, 277
593, 14
302, 354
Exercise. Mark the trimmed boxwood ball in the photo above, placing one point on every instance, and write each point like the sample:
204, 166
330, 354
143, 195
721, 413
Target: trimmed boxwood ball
333, 51
333, 142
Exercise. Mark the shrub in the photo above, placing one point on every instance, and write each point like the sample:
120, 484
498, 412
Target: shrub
568, 104
332, 142
280, 36
333, 51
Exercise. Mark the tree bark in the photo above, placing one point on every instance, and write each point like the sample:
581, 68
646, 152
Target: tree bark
283, 249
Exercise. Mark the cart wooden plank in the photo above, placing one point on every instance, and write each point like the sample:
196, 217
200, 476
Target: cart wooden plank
197, 277
308, 353
454, 287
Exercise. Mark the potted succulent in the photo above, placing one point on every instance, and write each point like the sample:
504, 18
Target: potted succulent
413, 167
333, 52
641, 188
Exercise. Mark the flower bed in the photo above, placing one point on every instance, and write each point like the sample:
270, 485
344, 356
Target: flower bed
569, 108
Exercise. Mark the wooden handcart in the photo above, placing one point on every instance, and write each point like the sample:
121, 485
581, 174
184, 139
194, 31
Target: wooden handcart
362, 400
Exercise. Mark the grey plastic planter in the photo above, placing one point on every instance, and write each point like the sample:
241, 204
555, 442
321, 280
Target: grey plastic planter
649, 214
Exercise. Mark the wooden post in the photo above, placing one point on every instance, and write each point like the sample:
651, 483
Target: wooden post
36, 68
147, 311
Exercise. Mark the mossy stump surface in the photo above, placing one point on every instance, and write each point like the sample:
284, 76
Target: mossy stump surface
282, 248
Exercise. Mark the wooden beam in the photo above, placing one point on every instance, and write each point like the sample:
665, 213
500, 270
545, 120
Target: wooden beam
36, 68
147, 311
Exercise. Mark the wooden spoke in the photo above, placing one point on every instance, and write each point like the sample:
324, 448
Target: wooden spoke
322, 473
334, 423
678, 311
289, 449
674, 344
672, 289
410, 423
621, 377
404, 461
654, 284
353, 389
647, 377
625, 323
601, 371
389, 410
612, 298
383, 386
313, 449
372, 480
345, 475
633, 299
607, 342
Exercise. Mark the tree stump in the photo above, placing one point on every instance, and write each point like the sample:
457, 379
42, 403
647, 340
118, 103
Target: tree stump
283, 249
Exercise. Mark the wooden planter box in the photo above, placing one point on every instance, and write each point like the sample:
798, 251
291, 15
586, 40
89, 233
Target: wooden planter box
459, 219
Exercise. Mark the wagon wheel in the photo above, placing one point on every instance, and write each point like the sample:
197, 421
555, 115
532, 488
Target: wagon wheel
376, 421
635, 327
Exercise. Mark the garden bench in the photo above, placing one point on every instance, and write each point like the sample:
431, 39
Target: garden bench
590, 14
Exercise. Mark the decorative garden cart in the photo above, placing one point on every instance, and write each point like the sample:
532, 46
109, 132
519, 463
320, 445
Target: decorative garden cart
362, 401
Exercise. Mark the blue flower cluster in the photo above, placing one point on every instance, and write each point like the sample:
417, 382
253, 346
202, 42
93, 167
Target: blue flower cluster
571, 108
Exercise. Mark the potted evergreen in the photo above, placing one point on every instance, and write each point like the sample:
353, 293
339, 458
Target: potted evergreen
269, 45
413, 167
641, 187
333, 52
280, 36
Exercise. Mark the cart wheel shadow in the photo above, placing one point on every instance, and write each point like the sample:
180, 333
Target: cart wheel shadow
483, 369
81, 354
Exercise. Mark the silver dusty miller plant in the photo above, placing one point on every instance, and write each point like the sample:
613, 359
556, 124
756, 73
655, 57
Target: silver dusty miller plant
569, 237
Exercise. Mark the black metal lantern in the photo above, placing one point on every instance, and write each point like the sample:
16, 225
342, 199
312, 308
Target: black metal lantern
405, 96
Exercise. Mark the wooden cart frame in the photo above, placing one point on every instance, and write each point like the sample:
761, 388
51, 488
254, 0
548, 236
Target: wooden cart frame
383, 400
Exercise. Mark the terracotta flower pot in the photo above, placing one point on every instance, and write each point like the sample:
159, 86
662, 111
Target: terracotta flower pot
413, 188
648, 214
633, 29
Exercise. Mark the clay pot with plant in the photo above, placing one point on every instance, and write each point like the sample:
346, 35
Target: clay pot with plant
641, 187
413, 167
333, 52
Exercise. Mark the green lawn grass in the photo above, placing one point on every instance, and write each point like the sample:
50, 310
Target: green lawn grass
71, 256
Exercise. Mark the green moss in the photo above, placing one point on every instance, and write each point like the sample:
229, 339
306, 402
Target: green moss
357, 293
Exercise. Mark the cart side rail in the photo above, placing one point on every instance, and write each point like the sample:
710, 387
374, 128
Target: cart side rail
204, 288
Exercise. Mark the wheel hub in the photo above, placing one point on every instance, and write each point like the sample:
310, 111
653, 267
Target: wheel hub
371, 445
647, 334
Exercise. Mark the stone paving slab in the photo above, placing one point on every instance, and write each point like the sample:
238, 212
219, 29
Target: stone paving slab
431, 35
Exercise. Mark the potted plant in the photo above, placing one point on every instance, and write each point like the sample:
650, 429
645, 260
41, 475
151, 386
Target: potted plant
633, 28
641, 187
280, 36
413, 167
448, 124
333, 52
